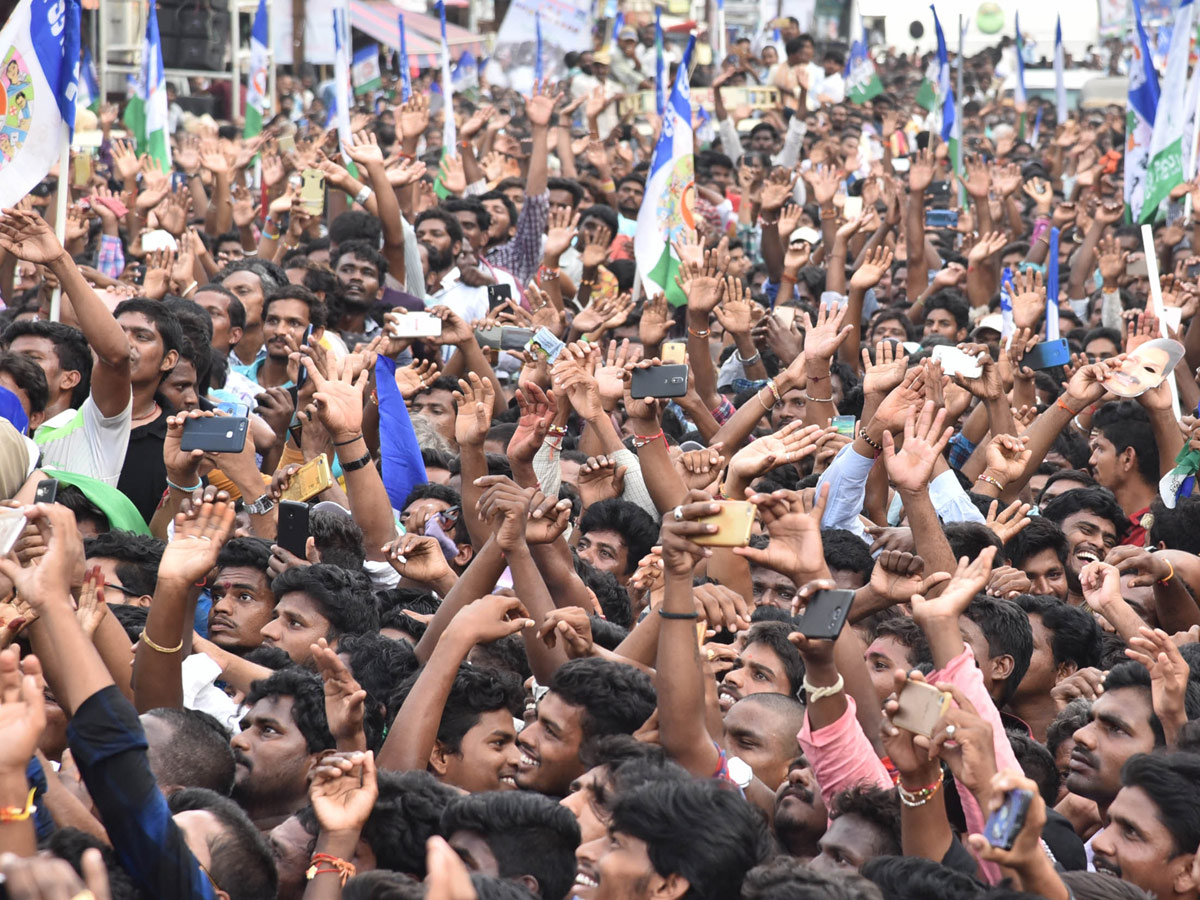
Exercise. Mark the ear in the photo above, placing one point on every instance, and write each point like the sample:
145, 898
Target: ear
318, 333
1128, 458
35, 421
530, 882
464, 555
143, 601
1185, 881
438, 763
68, 380
235, 335
1065, 670
1002, 667
169, 361
673, 887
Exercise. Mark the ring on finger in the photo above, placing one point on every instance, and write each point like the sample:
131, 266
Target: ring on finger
677, 513
950, 731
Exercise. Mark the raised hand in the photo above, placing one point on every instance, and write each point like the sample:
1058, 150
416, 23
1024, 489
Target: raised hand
339, 396
600, 478
1007, 456
488, 619
345, 699
540, 107
825, 335
924, 441
1008, 522
680, 553
1169, 673
888, 371
969, 579
505, 506
537, 415
873, 267
22, 709
562, 227
418, 558
199, 536
789, 445
572, 625
656, 321
548, 518
28, 236
736, 311
343, 791
898, 575
794, 525
920, 171
700, 468
474, 398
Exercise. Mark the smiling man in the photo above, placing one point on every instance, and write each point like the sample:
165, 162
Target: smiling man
1154, 826
767, 663
1093, 523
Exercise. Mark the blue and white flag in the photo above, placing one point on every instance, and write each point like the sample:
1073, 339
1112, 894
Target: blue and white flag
539, 68
405, 72
365, 71
339, 112
449, 128
257, 95
618, 24
706, 132
1167, 141
1019, 95
1139, 118
945, 91
862, 81
1060, 62
40, 44
1037, 127
466, 72
89, 82
1052, 330
660, 75
1007, 326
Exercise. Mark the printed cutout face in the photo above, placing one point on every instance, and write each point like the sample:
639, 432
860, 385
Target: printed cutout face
1145, 368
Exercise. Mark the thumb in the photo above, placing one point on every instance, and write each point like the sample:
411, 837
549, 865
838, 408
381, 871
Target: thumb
933, 581
619, 479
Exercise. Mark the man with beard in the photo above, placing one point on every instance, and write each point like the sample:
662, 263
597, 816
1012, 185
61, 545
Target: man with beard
800, 814
287, 314
1093, 523
283, 733
1040, 551
1154, 826
630, 191
360, 271
441, 236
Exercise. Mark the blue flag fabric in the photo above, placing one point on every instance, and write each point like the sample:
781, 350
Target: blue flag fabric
660, 75
944, 88
405, 72
539, 71
1144, 98
403, 468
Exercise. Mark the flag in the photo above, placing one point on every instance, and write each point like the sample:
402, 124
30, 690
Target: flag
364, 71
618, 24
146, 113
339, 112
1165, 169
1019, 95
89, 82
40, 43
660, 74
1060, 88
706, 132
539, 70
1139, 118
405, 72
667, 207
945, 92
1037, 127
1007, 326
466, 72
399, 453
1189, 128
1052, 329
257, 95
862, 81
449, 128
927, 93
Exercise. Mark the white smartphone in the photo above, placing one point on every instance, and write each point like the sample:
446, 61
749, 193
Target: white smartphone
159, 239
12, 523
1172, 316
852, 208
415, 325
957, 362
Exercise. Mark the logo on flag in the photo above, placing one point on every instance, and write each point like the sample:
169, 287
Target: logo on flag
365, 70
16, 105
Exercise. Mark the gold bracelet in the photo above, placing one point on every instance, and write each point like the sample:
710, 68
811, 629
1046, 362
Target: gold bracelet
19, 813
157, 647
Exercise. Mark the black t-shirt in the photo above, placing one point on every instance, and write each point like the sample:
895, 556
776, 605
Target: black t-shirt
144, 475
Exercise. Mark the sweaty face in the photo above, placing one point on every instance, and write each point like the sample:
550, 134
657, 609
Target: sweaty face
758, 670
284, 321
1137, 847
1119, 728
359, 280
296, 624
772, 588
1046, 573
607, 551
271, 754
179, 387
488, 756
549, 747
242, 604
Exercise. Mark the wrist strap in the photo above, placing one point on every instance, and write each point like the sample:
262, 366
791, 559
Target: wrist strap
815, 693
355, 464
357, 437
187, 490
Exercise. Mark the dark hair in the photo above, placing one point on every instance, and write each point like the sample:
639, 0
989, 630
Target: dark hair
506, 654
1008, 633
29, 377
1079, 475
572, 187
198, 753
489, 888
338, 539
876, 806
336, 593
635, 526
846, 551
70, 843
604, 213
614, 599
84, 509
448, 219
365, 251
377, 662
483, 218
969, 539
496, 195
917, 878
514, 823
701, 830
788, 878
1097, 500
381, 884
242, 862
316, 308
166, 323
441, 492
234, 308
616, 699
248, 552
1040, 534
1126, 424
904, 631
1074, 634
476, 690
269, 274
1172, 782
1069, 720
70, 346
953, 302
137, 556
1037, 763
354, 225
1101, 886
132, 618
407, 813
308, 702
1130, 674
1178, 528
775, 636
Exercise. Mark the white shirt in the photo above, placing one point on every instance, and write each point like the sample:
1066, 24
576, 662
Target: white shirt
83, 441
469, 303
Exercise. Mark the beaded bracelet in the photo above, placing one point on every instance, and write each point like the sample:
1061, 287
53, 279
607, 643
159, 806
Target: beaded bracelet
988, 479
862, 433
913, 799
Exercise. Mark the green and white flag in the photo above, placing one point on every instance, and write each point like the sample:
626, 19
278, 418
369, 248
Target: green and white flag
1140, 113
146, 113
927, 93
364, 71
1170, 118
256, 81
667, 211
862, 81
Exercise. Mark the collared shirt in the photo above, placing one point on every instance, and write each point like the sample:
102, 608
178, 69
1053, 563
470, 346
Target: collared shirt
109, 746
86, 442
522, 253
469, 303
1137, 531
110, 259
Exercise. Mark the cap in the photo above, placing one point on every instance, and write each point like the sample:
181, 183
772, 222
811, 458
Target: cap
995, 322
627, 34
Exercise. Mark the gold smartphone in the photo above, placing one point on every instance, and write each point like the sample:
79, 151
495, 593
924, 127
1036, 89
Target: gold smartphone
786, 315
921, 706
734, 522
674, 353
312, 191
309, 480
81, 170
286, 143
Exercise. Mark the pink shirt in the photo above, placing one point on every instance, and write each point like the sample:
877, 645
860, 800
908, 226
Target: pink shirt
841, 756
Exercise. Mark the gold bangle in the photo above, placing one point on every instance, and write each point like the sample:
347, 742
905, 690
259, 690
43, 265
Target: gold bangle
1169, 577
158, 647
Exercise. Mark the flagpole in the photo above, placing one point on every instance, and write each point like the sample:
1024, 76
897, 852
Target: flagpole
958, 114
60, 212
1190, 172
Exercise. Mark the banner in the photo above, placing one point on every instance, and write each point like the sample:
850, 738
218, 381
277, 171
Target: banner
1165, 169
1139, 119
319, 45
365, 72
566, 27
257, 95
39, 71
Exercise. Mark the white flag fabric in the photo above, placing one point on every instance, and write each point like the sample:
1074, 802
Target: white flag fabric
341, 75
256, 81
1060, 62
1167, 141
1139, 117
40, 71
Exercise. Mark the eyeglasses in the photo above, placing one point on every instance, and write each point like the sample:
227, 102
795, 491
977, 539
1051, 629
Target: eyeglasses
207, 874
108, 585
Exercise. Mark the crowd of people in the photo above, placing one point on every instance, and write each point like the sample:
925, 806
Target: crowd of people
457, 620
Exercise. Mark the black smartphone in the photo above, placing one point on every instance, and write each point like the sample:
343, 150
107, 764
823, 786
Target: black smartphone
659, 382
218, 434
1006, 823
1048, 354
47, 491
498, 294
1193, 270
292, 531
825, 615
302, 372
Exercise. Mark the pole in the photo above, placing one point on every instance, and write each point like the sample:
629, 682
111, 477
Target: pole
958, 112
60, 212
1190, 172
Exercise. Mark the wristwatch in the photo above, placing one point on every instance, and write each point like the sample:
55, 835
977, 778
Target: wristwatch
261, 506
